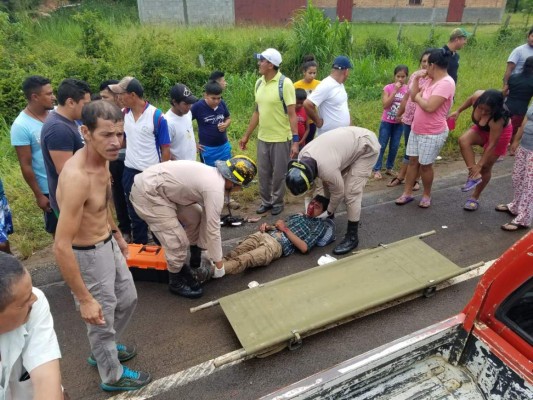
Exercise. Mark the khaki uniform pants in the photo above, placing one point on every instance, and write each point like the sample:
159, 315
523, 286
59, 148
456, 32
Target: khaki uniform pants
175, 226
108, 279
355, 178
258, 249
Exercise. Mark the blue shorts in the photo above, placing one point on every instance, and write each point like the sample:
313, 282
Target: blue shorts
6, 221
211, 154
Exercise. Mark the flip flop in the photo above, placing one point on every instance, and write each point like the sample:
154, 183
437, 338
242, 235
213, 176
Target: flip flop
403, 199
390, 172
395, 182
425, 202
471, 205
504, 208
377, 175
470, 184
512, 227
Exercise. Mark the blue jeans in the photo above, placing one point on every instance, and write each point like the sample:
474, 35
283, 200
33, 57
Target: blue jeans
139, 228
388, 132
406, 132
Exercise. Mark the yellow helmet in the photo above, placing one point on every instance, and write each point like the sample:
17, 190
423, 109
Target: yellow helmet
240, 170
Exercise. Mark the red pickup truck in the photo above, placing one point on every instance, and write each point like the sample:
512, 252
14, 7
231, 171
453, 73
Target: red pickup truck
485, 352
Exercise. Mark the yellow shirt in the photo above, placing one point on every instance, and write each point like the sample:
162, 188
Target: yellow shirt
308, 87
273, 122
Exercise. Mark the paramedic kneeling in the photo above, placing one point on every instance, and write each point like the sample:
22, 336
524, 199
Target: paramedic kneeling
181, 202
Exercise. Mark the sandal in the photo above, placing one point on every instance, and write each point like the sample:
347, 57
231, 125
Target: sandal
471, 205
395, 182
512, 227
470, 184
403, 199
377, 175
416, 186
503, 208
425, 202
390, 172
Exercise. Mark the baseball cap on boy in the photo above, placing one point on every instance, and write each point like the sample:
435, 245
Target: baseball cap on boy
342, 62
180, 92
458, 33
128, 84
271, 55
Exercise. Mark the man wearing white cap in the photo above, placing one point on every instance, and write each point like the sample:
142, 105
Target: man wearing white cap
331, 98
275, 115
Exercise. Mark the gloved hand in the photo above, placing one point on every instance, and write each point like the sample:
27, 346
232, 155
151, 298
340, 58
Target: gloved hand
219, 272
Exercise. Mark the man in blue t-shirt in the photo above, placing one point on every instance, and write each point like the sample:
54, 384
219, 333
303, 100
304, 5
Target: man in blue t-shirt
60, 135
26, 138
213, 118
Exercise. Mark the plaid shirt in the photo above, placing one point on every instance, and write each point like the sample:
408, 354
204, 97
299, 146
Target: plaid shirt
307, 229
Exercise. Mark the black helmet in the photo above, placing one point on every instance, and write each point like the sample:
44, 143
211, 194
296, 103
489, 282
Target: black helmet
300, 177
240, 170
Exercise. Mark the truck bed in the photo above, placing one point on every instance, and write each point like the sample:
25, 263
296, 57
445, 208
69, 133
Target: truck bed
438, 362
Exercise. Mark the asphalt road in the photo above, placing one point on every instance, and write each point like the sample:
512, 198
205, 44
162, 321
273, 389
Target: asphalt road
170, 339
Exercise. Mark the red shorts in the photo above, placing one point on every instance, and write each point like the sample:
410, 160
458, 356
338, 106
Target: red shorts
503, 141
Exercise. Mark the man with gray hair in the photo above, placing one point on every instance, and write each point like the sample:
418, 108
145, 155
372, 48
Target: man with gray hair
29, 352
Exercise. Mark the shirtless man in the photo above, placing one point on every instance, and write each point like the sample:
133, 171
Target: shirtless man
90, 251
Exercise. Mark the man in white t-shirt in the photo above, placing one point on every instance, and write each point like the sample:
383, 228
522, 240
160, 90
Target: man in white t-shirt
331, 99
179, 119
147, 143
517, 58
29, 352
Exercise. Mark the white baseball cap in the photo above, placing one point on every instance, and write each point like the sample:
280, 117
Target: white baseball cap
271, 55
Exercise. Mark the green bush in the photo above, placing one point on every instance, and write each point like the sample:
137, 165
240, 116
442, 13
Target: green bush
379, 47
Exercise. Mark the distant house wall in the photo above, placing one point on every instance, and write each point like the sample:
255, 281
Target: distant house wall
426, 11
194, 12
266, 11
229, 12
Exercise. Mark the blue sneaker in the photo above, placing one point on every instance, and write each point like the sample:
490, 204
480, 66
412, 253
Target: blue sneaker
125, 353
130, 380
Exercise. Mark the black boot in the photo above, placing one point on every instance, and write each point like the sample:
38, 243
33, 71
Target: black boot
191, 278
196, 256
193, 272
350, 241
177, 284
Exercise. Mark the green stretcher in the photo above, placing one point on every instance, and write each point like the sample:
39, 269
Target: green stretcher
278, 313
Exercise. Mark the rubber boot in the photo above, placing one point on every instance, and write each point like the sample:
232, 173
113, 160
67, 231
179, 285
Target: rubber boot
177, 284
350, 241
195, 276
196, 256
191, 278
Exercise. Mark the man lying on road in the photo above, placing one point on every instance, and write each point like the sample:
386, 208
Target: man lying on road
299, 232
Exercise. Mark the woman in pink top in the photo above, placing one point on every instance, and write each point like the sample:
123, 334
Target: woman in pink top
429, 129
406, 113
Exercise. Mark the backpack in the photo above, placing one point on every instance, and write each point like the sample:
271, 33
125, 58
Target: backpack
158, 116
280, 90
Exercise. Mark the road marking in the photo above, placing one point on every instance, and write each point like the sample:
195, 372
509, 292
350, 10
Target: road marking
163, 385
170, 382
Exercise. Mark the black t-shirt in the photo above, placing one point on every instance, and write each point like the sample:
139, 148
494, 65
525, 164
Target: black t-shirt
453, 65
520, 93
62, 134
